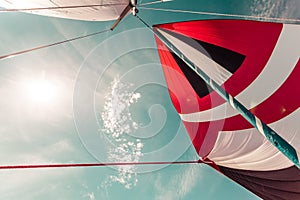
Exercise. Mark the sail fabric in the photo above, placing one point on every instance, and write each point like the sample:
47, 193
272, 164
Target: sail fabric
109, 9
257, 63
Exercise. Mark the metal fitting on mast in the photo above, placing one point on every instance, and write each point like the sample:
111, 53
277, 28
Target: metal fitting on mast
133, 4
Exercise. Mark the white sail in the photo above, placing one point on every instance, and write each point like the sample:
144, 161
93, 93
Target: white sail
88, 10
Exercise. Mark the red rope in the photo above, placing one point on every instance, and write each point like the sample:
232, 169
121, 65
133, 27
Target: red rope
96, 164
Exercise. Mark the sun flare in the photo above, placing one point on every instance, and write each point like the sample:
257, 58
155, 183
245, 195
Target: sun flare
42, 91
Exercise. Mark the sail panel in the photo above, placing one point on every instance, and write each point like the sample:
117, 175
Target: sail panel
198, 55
269, 185
107, 9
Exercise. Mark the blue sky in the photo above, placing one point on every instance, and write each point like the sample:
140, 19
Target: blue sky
107, 101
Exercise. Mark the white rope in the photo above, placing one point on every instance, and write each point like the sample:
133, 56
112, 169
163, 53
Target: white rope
154, 2
225, 15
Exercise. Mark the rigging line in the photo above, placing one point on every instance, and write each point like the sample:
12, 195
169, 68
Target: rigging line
76, 165
224, 14
58, 7
52, 44
278, 142
153, 2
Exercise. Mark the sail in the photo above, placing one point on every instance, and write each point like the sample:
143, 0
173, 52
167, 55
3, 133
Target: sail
258, 64
89, 10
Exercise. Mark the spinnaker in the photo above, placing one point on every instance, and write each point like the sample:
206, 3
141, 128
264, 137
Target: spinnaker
257, 63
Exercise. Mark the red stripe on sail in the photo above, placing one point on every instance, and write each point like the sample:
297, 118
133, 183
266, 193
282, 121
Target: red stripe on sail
280, 104
183, 96
244, 37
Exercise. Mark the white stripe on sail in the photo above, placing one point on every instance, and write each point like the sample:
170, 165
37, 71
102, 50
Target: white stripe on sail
216, 72
280, 65
250, 150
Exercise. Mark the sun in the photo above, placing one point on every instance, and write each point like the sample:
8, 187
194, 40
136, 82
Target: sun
42, 91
